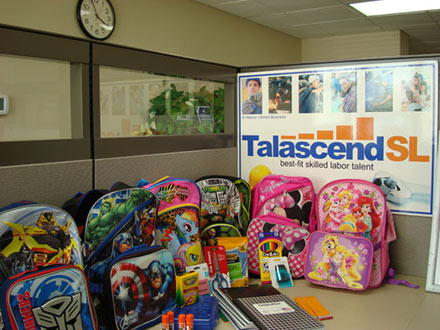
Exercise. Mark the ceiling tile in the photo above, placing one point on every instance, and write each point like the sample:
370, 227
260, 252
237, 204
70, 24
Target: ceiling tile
291, 5
435, 15
352, 26
281, 20
400, 21
327, 14
305, 31
346, 2
245, 8
215, 2
430, 31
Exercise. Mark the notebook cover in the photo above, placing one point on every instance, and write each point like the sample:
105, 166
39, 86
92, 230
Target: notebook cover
269, 309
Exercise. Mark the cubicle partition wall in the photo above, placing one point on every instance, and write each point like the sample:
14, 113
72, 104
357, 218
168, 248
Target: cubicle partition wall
157, 115
80, 117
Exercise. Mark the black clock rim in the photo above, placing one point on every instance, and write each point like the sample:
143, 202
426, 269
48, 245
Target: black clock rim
84, 30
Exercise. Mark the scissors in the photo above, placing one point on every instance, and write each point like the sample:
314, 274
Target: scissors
219, 281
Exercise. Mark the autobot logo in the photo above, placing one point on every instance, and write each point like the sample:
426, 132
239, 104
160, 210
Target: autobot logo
63, 313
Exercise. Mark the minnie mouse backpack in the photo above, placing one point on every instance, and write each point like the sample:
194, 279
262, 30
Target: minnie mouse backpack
286, 205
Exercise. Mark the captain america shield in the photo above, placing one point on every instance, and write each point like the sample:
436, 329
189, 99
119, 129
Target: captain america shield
130, 291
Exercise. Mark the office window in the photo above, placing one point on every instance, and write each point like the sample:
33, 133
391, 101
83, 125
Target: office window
44, 87
147, 103
135, 103
39, 97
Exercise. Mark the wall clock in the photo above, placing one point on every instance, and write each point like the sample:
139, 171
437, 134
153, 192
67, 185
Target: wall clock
96, 18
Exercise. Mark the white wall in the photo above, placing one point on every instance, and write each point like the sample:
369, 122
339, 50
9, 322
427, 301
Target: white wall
354, 46
178, 27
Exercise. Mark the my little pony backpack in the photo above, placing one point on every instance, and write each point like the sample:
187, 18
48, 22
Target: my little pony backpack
177, 224
286, 205
350, 248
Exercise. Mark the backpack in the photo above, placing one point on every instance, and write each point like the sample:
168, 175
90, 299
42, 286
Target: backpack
49, 297
128, 220
177, 223
80, 204
350, 248
139, 286
35, 234
225, 207
112, 211
286, 205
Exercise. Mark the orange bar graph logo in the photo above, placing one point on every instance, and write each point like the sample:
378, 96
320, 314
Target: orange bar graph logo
364, 132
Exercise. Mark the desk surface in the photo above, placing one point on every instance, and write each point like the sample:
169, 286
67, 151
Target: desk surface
389, 307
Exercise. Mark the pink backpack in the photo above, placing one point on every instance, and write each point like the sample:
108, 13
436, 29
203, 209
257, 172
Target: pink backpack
284, 204
177, 221
350, 213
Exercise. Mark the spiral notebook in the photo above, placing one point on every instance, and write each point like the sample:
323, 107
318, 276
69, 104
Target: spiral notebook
269, 309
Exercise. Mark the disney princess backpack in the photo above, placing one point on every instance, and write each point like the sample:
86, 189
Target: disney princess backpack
350, 247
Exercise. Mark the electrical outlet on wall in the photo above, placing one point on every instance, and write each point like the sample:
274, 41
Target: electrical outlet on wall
4, 104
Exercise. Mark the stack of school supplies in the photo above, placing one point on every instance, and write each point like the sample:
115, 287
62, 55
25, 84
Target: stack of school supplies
269, 309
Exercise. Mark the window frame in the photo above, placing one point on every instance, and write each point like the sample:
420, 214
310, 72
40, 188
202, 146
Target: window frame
133, 59
49, 47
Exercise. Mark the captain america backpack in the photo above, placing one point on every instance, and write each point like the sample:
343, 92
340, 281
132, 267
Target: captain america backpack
139, 286
286, 205
177, 224
48, 297
350, 248
117, 222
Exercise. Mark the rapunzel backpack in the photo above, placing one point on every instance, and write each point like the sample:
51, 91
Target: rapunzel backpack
287, 205
178, 216
350, 248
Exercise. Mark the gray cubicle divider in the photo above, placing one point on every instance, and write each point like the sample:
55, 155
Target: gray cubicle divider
184, 164
49, 183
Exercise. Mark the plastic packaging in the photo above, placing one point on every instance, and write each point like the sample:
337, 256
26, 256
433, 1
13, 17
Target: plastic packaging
205, 313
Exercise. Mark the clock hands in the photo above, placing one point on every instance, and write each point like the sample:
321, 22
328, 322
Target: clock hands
96, 12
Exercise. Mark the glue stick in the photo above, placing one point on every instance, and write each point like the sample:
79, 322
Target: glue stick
165, 322
182, 318
189, 322
171, 319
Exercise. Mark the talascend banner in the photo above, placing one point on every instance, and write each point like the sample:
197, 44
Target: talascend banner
376, 122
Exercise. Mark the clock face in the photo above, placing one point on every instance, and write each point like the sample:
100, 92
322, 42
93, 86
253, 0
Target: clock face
97, 18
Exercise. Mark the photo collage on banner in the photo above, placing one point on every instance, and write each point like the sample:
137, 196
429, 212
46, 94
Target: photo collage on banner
374, 122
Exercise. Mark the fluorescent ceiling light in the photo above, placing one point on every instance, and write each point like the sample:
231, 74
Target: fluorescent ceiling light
387, 7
